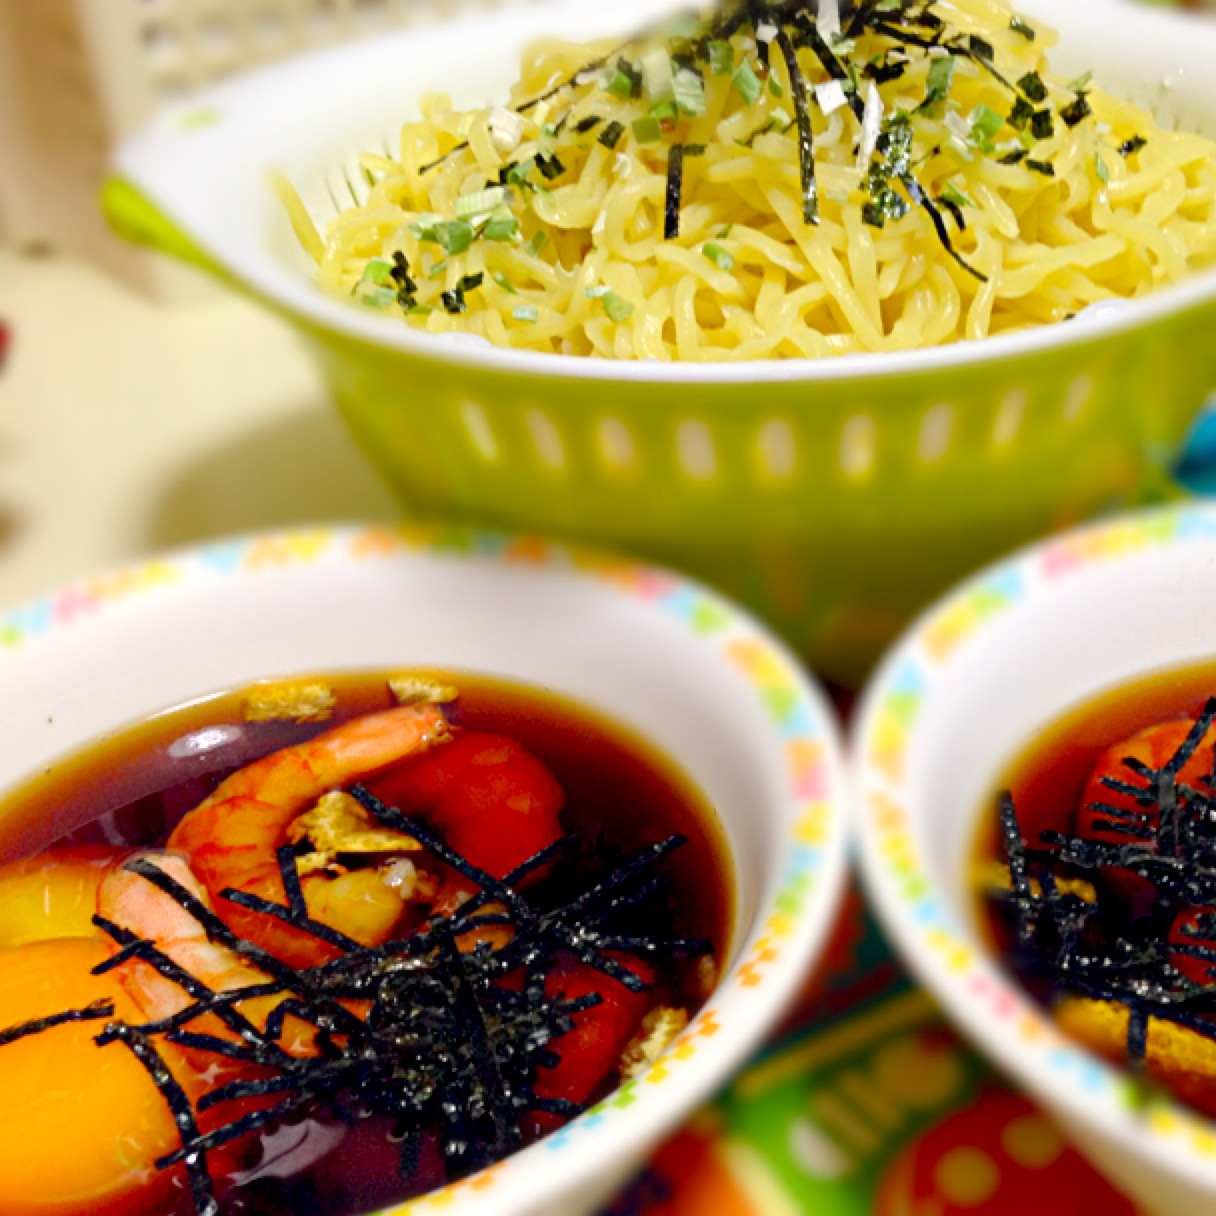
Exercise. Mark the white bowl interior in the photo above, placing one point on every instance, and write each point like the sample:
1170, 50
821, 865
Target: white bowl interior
95, 658
207, 165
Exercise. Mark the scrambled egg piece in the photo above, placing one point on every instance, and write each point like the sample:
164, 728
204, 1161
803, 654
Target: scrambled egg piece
289, 702
411, 690
660, 1028
995, 877
1181, 1059
338, 824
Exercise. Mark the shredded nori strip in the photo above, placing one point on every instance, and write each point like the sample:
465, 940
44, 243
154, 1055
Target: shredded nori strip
1132, 146
98, 1011
806, 138
140, 1046
587, 124
443, 1046
675, 189
922, 199
1077, 947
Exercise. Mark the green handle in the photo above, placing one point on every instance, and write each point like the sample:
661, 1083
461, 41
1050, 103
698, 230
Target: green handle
134, 216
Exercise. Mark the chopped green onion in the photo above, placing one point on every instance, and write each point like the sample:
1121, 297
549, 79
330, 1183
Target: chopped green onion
985, 123
376, 297
986, 120
504, 229
419, 310
597, 293
437, 271
1101, 168
689, 92
775, 87
646, 130
378, 271
617, 307
517, 172
468, 205
1075, 86
538, 242
684, 27
721, 58
746, 82
657, 74
940, 79
725, 231
665, 112
719, 256
526, 312
952, 194
626, 80
455, 236
505, 283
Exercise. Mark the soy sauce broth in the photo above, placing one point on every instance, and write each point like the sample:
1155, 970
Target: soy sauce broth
132, 789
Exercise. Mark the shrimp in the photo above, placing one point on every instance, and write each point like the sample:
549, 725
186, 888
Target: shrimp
233, 837
130, 902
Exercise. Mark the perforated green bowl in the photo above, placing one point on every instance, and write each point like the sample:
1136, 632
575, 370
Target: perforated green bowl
833, 497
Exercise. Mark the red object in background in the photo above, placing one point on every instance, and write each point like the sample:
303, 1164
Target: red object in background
5, 341
999, 1157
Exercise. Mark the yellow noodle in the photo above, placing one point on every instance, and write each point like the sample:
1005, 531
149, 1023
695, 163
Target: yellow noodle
590, 271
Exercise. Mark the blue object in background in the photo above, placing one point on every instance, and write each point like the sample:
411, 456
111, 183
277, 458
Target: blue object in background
1196, 468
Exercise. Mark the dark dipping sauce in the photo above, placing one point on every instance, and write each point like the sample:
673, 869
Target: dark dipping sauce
621, 798
1124, 926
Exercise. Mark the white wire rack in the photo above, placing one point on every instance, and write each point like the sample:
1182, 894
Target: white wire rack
78, 75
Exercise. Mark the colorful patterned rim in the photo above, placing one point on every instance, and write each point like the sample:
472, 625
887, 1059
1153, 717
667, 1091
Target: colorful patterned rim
771, 958
963, 976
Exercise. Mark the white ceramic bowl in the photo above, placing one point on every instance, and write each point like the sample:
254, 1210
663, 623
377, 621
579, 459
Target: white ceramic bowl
676, 663
952, 704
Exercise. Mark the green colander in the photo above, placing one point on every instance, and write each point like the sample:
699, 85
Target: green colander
834, 497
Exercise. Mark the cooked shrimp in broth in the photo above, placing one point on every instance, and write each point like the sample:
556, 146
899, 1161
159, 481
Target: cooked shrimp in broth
269, 951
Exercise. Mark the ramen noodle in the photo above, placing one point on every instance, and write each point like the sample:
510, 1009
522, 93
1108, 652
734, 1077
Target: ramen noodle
804, 181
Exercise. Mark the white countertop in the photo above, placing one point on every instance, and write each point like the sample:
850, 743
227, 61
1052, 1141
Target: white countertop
128, 427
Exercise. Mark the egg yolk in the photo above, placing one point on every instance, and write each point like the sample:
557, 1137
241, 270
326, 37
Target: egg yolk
52, 895
81, 1126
